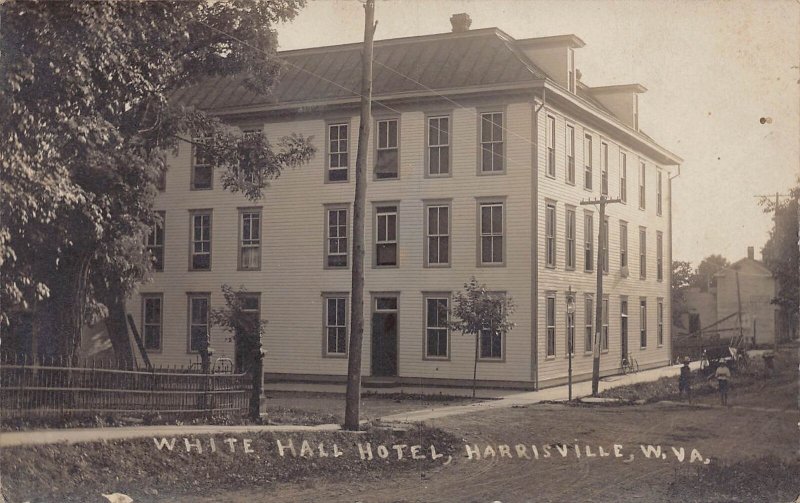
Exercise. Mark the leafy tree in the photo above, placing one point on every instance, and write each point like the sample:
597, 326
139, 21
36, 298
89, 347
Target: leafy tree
708, 267
683, 276
782, 256
478, 311
85, 96
246, 332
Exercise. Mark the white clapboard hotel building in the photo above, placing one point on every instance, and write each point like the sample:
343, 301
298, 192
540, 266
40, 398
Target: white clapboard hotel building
482, 149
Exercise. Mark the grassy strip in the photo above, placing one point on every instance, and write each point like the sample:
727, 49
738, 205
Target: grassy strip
136, 467
666, 388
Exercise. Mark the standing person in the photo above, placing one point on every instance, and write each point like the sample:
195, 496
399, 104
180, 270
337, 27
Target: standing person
723, 375
684, 381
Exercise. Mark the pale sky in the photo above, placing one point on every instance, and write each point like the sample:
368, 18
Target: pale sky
713, 69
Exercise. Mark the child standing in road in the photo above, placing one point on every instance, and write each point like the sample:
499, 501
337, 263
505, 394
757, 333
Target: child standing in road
684, 381
723, 374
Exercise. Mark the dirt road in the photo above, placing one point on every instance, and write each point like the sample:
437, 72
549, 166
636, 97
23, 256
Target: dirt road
715, 433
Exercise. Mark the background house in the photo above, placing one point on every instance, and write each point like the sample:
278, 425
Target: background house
713, 312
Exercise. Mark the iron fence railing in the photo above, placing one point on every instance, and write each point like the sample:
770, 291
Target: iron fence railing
54, 388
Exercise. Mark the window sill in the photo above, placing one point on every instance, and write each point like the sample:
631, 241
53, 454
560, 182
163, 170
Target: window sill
438, 266
436, 358
491, 173
491, 360
395, 266
199, 270
492, 264
550, 266
550, 357
335, 356
440, 175
336, 181
200, 188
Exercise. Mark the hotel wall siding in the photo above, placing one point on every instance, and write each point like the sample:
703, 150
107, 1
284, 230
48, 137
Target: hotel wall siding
292, 277
558, 279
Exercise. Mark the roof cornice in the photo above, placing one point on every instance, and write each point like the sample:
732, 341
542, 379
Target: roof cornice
569, 40
618, 88
667, 157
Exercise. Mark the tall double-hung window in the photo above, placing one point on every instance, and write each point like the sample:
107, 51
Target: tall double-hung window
569, 236
200, 259
492, 140
587, 162
386, 236
155, 241
550, 234
250, 239
335, 324
338, 152
336, 244
571, 155
604, 168
437, 230
387, 159
491, 233
551, 146
436, 326
438, 146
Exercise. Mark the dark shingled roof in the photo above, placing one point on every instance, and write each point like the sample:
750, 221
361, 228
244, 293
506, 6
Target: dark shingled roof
444, 61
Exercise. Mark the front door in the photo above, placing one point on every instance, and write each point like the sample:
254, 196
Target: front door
384, 336
623, 308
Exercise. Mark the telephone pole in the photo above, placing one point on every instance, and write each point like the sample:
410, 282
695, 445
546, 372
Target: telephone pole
601, 203
353, 398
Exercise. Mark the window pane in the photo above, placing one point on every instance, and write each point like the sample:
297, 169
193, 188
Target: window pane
202, 177
486, 219
444, 250
498, 249
443, 217
387, 254
386, 164
391, 227
497, 219
497, 157
433, 220
486, 153
486, 249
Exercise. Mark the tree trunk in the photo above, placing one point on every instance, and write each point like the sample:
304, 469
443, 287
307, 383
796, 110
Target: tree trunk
60, 317
118, 330
475, 366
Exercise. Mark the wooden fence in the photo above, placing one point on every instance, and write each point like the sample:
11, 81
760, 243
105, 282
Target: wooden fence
54, 388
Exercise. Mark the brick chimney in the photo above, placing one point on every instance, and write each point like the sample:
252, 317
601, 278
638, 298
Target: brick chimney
460, 22
751, 253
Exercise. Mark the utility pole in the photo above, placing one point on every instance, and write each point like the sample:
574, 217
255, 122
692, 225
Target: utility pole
353, 398
601, 203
